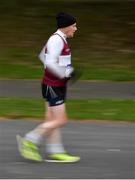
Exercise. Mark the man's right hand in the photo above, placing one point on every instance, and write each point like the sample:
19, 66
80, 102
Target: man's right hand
69, 71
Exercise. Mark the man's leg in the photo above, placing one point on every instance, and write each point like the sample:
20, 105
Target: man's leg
58, 119
28, 146
53, 140
55, 149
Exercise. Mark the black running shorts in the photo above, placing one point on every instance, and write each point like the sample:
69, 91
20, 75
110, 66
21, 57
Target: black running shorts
54, 95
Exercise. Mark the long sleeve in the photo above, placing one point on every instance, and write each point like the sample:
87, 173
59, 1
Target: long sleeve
51, 58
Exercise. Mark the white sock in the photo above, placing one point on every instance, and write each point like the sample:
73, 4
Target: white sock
54, 148
34, 137
54, 142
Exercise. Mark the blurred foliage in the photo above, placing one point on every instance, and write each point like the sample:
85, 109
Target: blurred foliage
104, 45
100, 109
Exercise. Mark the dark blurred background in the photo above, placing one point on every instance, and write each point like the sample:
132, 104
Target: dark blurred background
104, 45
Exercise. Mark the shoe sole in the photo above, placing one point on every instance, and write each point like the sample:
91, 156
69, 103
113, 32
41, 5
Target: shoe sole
62, 161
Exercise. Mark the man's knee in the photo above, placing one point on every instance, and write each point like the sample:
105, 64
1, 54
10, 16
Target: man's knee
63, 121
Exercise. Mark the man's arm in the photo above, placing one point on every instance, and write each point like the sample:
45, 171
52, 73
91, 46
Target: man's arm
51, 58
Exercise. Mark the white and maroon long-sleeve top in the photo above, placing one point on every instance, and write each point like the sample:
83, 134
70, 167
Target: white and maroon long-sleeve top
57, 55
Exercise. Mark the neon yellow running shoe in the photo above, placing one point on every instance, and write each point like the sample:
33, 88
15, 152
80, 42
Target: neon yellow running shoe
62, 158
28, 150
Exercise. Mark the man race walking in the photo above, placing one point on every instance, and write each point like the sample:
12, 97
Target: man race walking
56, 57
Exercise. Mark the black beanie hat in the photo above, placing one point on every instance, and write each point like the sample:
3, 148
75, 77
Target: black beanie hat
64, 20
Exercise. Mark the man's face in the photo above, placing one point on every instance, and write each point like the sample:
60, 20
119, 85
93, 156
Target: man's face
70, 30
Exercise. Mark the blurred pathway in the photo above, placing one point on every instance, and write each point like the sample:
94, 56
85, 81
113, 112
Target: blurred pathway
80, 90
107, 151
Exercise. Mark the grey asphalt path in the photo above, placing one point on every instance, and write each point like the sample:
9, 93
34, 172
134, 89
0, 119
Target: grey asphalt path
81, 89
107, 151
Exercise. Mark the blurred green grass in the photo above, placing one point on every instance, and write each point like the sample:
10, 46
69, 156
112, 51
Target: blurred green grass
100, 109
103, 47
